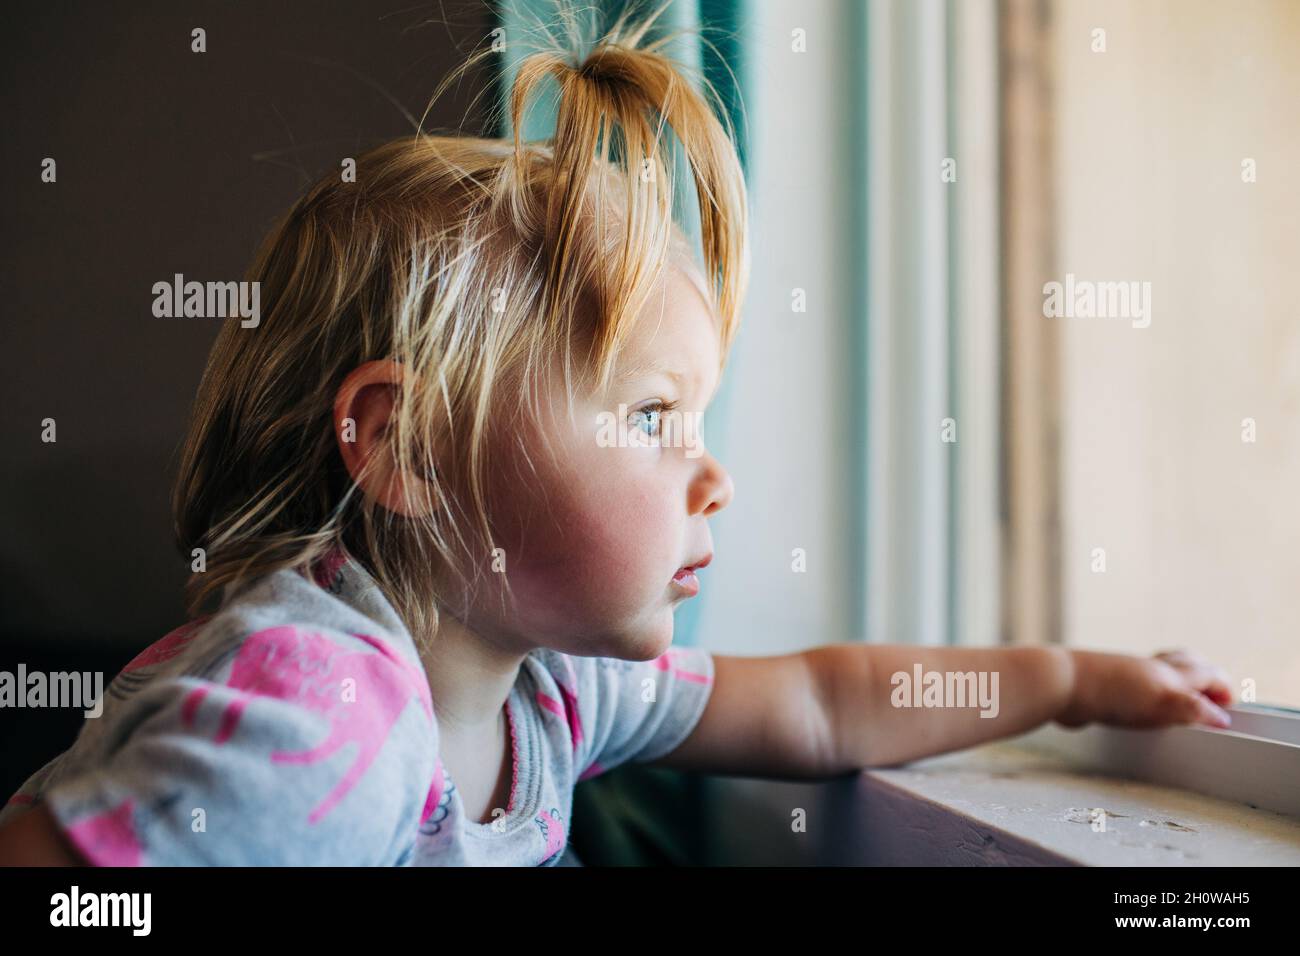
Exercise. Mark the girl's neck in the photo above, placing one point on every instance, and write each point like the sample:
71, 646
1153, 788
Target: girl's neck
470, 677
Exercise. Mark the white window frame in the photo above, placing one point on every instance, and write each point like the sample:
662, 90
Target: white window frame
1256, 762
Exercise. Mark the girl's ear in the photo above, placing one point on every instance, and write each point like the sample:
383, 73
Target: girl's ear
363, 410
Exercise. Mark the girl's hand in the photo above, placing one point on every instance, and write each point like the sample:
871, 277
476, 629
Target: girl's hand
1172, 687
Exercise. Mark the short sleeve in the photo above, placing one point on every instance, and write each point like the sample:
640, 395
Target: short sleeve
306, 747
643, 710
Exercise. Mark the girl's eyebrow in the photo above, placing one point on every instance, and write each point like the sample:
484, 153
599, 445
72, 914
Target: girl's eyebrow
645, 369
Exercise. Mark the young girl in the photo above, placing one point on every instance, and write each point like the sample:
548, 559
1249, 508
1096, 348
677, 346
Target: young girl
430, 593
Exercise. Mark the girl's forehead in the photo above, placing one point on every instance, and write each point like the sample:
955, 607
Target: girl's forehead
678, 309
676, 337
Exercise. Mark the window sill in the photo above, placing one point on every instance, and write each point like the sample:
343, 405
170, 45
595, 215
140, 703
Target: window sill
1038, 800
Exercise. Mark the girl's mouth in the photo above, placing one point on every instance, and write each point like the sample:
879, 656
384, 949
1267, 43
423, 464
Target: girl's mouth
687, 581
685, 577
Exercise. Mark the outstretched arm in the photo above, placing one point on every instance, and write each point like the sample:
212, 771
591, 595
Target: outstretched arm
839, 708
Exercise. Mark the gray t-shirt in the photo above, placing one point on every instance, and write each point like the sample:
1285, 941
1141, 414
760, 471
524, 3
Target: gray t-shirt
295, 727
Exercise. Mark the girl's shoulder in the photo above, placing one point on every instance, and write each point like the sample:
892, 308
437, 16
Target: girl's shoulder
619, 710
296, 719
285, 635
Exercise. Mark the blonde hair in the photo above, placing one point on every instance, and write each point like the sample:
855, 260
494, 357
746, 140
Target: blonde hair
475, 264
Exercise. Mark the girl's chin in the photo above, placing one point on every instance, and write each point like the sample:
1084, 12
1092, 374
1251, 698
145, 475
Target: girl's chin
647, 645
649, 637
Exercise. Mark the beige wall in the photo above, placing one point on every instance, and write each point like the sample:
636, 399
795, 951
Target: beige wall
1201, 531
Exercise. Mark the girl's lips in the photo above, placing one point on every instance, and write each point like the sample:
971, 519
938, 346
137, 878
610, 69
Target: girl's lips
687, 581
685, 577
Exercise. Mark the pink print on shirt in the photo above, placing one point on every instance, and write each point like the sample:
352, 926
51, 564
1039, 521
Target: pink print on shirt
326, 572
568, 710
435, 792
553, 830
167, 647
667, 661
307, 668
108, 838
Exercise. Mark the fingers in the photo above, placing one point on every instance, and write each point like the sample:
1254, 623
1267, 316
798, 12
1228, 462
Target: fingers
1193, 707
1219, 691
1201, 675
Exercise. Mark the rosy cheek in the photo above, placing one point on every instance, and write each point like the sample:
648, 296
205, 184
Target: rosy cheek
603, 556
592, 537
606, 538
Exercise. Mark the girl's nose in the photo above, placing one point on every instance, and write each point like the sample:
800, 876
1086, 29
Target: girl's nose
714, 487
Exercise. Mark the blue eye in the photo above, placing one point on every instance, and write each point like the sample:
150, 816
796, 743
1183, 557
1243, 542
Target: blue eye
649, 418
646, 419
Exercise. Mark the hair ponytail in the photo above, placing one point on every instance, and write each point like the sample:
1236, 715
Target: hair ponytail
614, 107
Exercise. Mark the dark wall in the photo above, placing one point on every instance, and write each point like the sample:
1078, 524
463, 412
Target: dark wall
167, 161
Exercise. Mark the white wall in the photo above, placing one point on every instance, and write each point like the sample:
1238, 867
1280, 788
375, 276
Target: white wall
787, 447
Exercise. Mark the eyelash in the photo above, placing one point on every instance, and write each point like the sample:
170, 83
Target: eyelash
658, 405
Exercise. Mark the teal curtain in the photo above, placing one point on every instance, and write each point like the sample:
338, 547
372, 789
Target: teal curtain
635, 814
